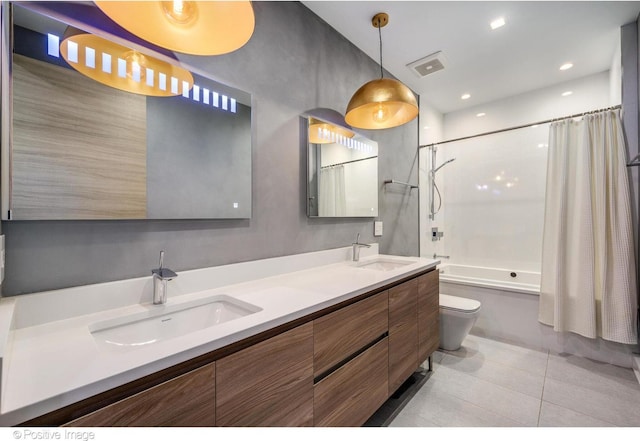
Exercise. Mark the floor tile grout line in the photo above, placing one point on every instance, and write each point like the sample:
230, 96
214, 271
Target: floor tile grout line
544, 381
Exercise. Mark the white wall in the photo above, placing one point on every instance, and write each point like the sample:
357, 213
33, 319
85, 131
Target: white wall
493, 194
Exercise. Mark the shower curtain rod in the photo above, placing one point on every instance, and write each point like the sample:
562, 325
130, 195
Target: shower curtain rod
522, 126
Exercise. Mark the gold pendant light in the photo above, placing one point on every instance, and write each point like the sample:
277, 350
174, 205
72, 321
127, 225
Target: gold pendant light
190, 27
121, 67
383, 103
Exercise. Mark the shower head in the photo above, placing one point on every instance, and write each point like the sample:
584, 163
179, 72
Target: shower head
443, 164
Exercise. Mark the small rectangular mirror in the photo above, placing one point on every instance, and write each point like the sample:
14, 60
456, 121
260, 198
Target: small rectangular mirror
342, 170
82, 149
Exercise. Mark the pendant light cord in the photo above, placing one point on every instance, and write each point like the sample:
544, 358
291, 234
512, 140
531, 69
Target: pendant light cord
380, 35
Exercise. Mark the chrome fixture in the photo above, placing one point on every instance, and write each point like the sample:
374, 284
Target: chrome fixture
160, 278
432, 183
435, 234
435, 256
356, 248
393, 181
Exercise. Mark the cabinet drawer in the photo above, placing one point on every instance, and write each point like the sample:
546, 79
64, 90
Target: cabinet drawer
403, 333
351, 394
188, 400
269, 383
428, 314
342, 333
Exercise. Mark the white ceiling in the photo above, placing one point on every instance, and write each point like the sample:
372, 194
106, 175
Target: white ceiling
521, 56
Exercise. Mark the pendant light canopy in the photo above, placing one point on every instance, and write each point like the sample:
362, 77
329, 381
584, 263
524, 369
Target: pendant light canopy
121, 67
383, 103
190, 27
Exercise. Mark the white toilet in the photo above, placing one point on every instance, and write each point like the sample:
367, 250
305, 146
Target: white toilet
457, 317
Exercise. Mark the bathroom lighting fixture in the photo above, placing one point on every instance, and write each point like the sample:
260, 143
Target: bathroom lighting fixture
497, 23
466, 96
190, 27
566, 66
383, 103
121, 67
567, 93
321, 132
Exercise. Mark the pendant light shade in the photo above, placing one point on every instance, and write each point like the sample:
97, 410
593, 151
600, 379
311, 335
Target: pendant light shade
382, 103
121, 67
190, 27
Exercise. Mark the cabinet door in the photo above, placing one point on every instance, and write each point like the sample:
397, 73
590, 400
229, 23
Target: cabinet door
351, 394
403, 333
268, 384
342, 333
428, 314
188, 400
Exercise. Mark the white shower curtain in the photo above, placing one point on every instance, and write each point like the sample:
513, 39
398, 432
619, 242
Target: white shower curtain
588, 281
332, 192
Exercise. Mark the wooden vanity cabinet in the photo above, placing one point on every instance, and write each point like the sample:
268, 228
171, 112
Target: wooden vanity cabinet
403, 333
350, 362
269, 383
336, 369
428, 314
187, 400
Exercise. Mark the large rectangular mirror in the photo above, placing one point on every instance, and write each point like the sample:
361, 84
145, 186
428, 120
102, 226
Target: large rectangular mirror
80, 149
342, 172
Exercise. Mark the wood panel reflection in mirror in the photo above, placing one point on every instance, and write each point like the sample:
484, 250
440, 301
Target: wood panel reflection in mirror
342, 176
83, 150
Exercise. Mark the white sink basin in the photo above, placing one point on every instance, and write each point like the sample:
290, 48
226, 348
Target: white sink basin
169, 321
382, 264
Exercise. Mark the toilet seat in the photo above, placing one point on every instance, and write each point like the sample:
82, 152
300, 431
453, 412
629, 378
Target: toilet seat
459, 304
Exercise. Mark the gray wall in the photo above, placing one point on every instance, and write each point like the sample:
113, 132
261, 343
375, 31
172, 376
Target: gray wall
293, 63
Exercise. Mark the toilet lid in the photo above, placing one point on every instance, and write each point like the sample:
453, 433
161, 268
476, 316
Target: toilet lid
459, 303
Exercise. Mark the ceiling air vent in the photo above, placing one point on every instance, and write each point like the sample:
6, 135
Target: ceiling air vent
428, 65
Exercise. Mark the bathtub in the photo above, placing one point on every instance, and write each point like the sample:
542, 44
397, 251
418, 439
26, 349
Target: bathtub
509, 312
525, 282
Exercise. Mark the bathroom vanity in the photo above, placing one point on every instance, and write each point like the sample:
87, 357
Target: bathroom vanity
313, 340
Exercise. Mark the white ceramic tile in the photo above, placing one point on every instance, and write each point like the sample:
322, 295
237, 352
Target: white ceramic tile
552, 415
497, 373
506, 402
610, 408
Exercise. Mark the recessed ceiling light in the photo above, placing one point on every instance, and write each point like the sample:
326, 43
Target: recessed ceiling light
480, 114
567, 93
465, 96
566, 66
497, 23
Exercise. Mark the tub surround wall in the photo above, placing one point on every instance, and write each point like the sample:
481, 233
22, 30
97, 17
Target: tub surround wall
294, 62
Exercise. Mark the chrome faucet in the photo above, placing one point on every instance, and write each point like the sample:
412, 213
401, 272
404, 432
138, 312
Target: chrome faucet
356, 248
160, 278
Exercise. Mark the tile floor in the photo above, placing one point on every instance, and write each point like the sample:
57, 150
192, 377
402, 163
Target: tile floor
493, 384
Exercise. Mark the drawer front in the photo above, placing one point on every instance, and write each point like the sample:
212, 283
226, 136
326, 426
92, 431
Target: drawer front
428, 314
188, 400
403, 333
269, 383
351, 394
344, 332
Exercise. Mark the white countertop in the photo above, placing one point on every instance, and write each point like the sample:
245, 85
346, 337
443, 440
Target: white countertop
49, 358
